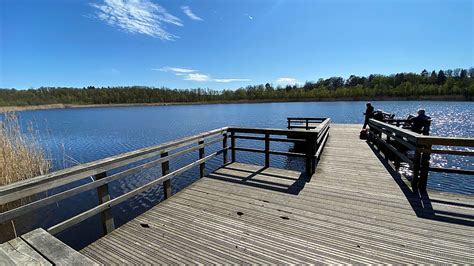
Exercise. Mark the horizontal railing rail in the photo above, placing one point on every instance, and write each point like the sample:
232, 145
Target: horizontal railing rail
408, 124
143, 159
312, 140
43, 183
304, 122
98, 170
399, 141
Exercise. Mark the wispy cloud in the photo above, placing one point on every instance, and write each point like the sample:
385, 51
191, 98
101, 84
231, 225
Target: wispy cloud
248, 16
137, 16
187, 10
176, 70
290, 81
197, 77
230, 80
194, 75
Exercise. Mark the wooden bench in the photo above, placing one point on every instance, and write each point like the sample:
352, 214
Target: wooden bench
38, 247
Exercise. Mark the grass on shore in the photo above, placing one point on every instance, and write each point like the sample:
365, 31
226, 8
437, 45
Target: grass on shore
21, 156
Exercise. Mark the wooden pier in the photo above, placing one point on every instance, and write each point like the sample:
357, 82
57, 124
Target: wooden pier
347, 206
352, 211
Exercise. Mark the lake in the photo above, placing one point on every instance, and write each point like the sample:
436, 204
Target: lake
73, 136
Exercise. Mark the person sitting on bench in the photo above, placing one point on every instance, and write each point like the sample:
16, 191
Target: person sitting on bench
421, 123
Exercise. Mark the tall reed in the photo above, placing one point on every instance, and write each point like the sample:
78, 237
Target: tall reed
21, 156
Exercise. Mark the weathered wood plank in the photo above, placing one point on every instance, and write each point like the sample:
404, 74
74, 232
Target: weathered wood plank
18, 252
54, 250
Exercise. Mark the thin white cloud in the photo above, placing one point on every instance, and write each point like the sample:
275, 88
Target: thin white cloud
187, 10
197, 77
290, 81
137, 16
176, 70
194, 75
230, 80
248, 16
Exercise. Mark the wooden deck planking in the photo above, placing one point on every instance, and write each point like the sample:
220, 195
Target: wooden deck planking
352, 211
38, 247
18, 252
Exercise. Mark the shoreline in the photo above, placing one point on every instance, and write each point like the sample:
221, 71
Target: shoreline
3, 109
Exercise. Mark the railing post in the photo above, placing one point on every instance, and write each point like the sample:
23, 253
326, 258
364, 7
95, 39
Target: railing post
315, 147
289, 123
267, 150
379, 141
309, 161
424, 168
396, 159
307, 123
106, 217
202, 166
165, 169
224, 147
232, 146
416, 169
388, 153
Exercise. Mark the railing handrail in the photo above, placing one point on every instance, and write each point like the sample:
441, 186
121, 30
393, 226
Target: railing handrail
422, 146
306, 118
428, 140
446, 141
399, 120
408, 122
271, 131
61, 177
303, 122
404, 132
323, 125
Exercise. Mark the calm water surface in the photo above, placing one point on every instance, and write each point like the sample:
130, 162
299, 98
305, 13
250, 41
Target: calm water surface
74, 136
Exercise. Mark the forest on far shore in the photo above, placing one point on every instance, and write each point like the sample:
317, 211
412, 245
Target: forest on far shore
452, 83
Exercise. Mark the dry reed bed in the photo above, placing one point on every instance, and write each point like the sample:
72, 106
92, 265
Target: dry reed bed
21, 156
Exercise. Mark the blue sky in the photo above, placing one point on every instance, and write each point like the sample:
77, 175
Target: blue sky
226, 44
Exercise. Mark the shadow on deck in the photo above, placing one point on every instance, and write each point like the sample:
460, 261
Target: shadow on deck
279, 180
422, 203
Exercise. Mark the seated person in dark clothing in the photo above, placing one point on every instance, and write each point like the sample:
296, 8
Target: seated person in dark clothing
421, 123
368, 114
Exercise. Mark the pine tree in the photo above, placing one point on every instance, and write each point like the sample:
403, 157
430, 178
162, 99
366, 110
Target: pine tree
441, 77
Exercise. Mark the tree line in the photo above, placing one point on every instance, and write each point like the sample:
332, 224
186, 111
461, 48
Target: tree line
449, 83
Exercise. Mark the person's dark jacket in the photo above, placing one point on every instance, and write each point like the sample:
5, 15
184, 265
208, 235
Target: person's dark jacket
420, 123
369, 112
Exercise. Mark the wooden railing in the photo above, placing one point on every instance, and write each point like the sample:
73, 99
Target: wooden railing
144, 159
313, 141
398, 142
304, 122
98, 170
407, 124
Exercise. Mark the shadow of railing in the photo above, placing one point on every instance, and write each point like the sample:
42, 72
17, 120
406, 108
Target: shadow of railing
262, 177
422, 202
